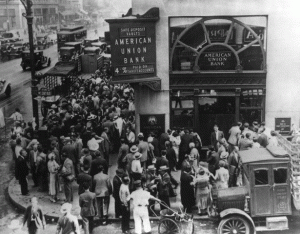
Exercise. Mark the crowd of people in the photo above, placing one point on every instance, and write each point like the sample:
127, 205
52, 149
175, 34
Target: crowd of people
94, 123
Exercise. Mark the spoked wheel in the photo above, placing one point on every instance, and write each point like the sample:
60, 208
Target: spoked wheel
234, 225
168, 226
44, 109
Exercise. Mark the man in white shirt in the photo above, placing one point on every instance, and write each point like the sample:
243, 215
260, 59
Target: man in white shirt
93, 143
140, 202
17, 116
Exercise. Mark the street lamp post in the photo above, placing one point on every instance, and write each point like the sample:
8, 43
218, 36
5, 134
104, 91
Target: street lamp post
34, 89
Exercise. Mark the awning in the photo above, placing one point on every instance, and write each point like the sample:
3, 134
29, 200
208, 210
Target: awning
61, 69
67, 13
153, 83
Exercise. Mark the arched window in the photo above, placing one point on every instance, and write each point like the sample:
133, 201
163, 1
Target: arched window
217, 44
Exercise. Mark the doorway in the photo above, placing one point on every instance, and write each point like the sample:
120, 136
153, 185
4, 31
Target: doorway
215, 108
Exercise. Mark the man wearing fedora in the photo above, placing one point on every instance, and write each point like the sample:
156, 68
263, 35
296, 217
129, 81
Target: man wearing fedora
164, 186
140, 201
117, 181
68, 174
123, 151
67, 223
69, 149
129, 158
34, 217
151, 186
84, 177
136, 167
96, 162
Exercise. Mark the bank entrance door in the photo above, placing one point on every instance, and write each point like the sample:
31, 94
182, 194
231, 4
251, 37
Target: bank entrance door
215, 107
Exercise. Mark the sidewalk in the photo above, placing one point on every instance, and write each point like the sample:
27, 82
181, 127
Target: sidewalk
52, 210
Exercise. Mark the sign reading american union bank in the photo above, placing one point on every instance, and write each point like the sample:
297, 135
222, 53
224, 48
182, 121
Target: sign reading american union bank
133, 49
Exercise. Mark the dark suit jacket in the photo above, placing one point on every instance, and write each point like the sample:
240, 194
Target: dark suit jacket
117, 182
187, 190
163, 138
87, 202
161, 161
31, 158
186, 139
164, 185
83, 177
213, 138
70, 150
95, 164
156, 147
21, 168
28, 213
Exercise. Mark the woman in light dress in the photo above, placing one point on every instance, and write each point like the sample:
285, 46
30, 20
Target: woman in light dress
195, 156
202, 190
53, 184
222, 176
175, 140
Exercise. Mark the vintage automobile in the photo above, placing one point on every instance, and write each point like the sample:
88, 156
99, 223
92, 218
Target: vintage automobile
13, 36
39, 59
77, 45
17, 48
91, 50
101, 45
5, 88
66, 53
43, 41
263, 202
88, 41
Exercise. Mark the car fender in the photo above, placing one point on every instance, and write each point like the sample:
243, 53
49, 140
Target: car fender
234, 211
6, 84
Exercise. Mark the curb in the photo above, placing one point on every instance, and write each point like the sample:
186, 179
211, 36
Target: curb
52, 218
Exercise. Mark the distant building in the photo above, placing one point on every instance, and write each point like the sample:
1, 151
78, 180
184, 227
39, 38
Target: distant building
45, 11
14, 19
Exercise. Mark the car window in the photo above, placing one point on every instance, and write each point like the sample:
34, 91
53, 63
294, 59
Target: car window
261, 176
280, 175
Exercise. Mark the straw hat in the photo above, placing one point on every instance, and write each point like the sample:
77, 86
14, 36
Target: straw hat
137, 155
151, 168
65, 208
224, 155
134, 149
192, 145
150, 139
53, 106
163, 168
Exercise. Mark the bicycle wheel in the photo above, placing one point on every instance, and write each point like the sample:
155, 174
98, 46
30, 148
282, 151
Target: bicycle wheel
168, 226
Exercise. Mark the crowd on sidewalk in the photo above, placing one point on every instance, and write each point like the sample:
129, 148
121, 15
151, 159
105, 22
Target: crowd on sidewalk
97, 120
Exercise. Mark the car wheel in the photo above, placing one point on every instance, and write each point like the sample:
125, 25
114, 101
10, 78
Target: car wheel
234, 224
8, 91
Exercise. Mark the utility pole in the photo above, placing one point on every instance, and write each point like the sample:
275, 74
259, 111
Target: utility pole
34, 89
7, 14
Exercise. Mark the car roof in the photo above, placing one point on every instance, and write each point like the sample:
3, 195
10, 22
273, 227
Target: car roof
92, 48
73, 43
67, 48
268, 154
28, 51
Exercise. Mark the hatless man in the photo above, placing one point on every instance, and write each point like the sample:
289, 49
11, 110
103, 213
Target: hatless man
87, 203
140, 202
67, 223
117, 181
164, 186
216, 136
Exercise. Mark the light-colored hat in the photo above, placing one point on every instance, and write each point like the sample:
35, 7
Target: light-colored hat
151, 168
14, 224
224, 155
163, 168
35, 141
150, 139
140, 134
116, 117
53, 106
137, 155
134, 149
67, 139
65, 208
192, 145
51, 155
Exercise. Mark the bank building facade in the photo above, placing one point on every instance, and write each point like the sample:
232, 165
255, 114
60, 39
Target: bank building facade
195, 63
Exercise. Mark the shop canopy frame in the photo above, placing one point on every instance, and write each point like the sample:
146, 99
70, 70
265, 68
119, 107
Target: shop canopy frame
60, 79
208, 44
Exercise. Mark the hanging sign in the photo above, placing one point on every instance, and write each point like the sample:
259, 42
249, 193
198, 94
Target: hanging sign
283, 125
133, 49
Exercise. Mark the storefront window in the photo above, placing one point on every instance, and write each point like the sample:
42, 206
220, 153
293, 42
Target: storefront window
252, 98
280, 175
183, 118
217, 44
